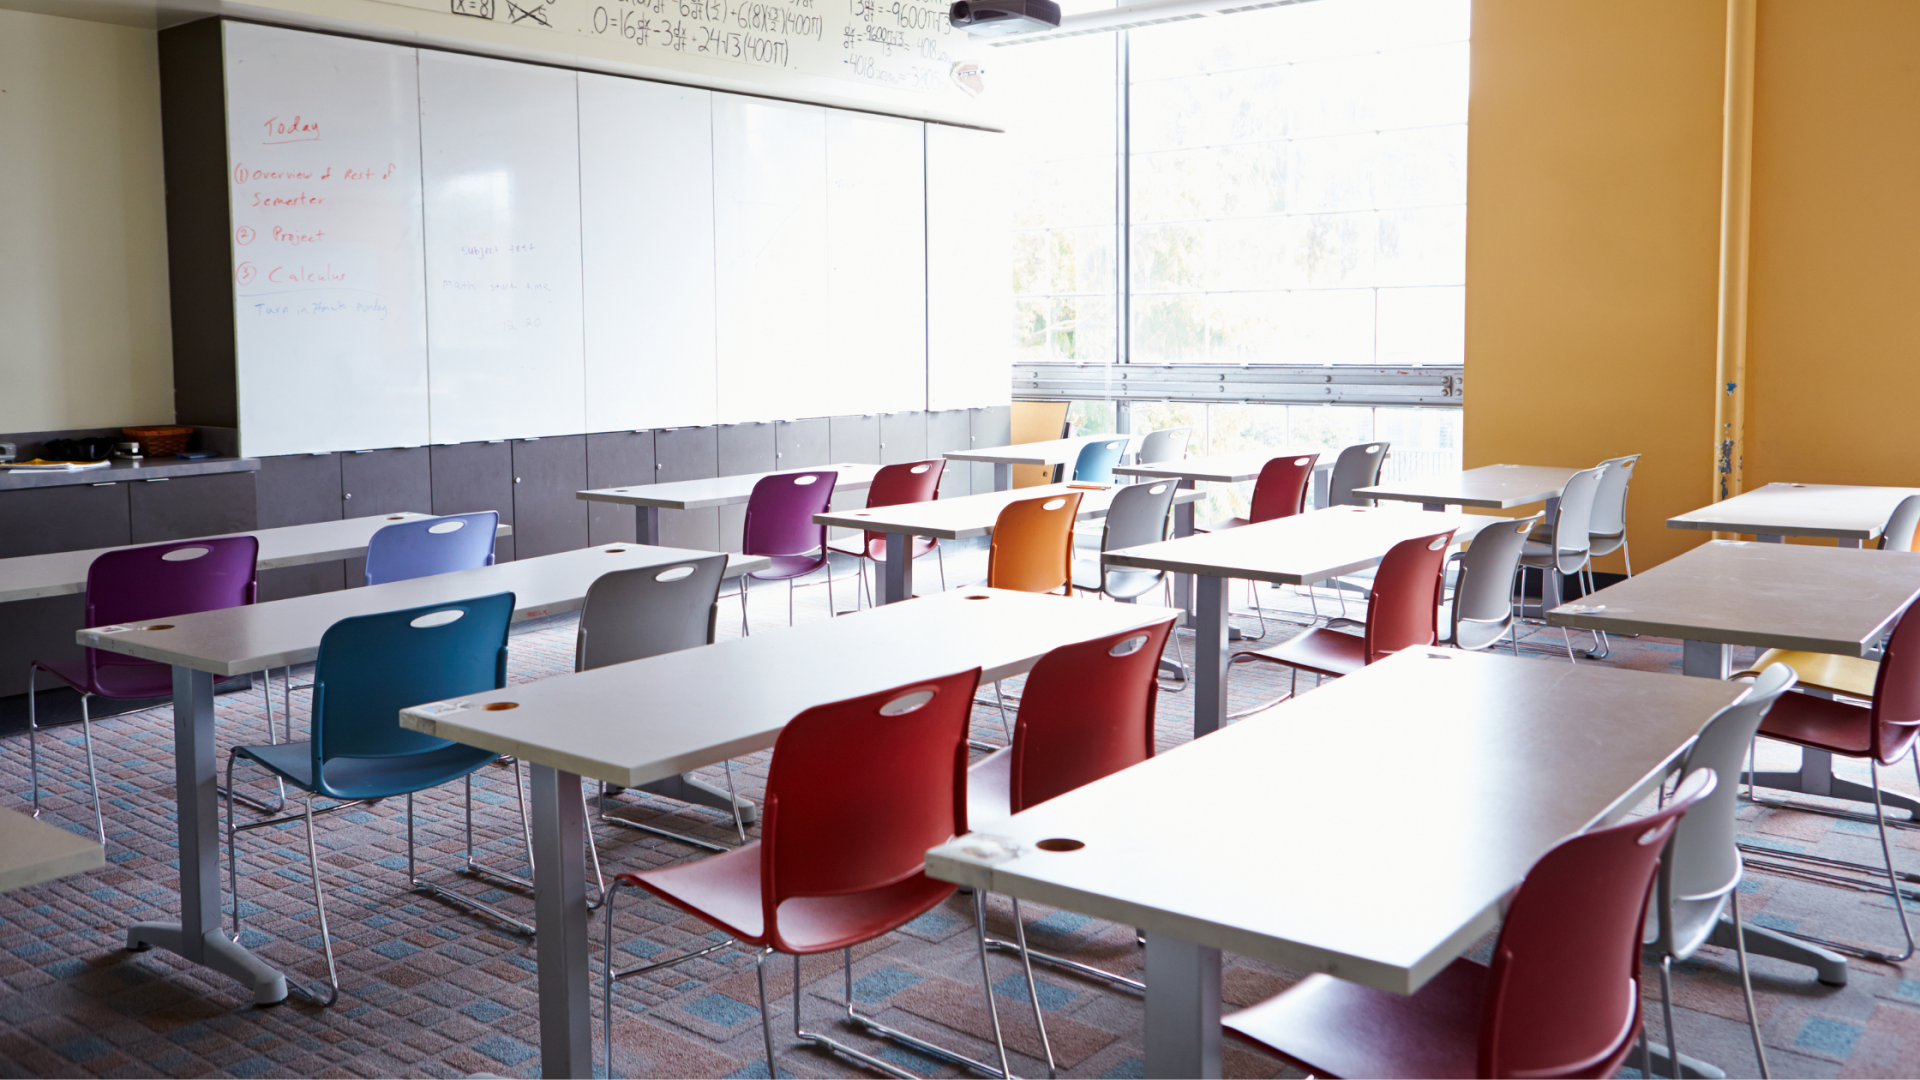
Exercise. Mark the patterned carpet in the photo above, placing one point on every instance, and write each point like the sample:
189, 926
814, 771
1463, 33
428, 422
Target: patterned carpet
429, 991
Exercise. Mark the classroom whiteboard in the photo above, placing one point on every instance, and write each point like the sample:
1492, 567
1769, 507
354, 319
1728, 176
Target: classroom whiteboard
877, 261
500, 168
646, 201
323, 155
969, 270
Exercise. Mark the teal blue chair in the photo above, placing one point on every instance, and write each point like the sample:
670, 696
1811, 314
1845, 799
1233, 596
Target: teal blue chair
369, 668
1097, 459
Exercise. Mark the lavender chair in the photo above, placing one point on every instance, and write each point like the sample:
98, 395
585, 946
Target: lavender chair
133, 585
430, 546
780, 526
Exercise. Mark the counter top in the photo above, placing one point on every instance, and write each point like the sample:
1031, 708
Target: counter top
145, 469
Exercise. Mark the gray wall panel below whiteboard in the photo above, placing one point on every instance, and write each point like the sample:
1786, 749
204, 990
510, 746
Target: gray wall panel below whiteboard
691, 453
617, 459
468, 477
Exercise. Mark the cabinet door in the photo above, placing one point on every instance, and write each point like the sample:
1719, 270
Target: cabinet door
546, 516
948, 430
854, 439
743, 448
617, 459
383, 482
40, 521
299, 489
689, 453
475, 476
800, 444
183, 507
903, 437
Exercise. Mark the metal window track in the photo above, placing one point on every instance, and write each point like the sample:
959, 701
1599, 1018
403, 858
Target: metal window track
1265, 384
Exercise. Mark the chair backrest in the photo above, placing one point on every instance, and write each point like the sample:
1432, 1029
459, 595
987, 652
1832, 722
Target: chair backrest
1097, 459
1896, 690
648, 610
1139, 514
1032, 547
1167, 444
907, 482
1086, 711
858, 790
159, 581
1483, 596
1563, 998
1037, 421
372, 666
1898, 535
1405, 609
780, 512
1571, 539
428, 546
1357, 466
1281, 489
1702, 863
1609, 517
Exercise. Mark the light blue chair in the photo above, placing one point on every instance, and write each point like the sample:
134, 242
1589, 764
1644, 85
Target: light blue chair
1097, 459
370, 667
429, 546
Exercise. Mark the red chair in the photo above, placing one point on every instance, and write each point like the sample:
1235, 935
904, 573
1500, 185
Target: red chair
1562, 997
1881, 731
1087, 712
1279, 491
1404, 612
910, 482
857, 792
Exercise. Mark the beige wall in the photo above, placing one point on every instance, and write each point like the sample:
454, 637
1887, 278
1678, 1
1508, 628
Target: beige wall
1593, 196
84, 336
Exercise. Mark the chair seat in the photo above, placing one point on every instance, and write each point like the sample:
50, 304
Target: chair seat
789, 566
369, 778
1223, 526
1833, 726
1850, 675
118, 680
877, 551
1331, 1027
990, 790
1326, 652
724, 890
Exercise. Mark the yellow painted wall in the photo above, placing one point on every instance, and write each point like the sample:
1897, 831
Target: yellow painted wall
1593, 201
1834, 349
85, 338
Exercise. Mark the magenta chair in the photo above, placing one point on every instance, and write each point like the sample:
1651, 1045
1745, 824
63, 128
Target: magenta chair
1561, 998
133, 585
908, 482
780, 526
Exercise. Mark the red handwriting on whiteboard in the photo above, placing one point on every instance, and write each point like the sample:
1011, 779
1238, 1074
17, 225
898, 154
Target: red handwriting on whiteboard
263, 202
289, 236
242, 174
281, 132
281, 275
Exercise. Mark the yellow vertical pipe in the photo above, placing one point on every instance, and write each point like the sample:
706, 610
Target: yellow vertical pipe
1736, 185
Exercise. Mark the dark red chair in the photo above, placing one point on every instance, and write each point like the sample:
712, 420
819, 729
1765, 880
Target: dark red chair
908, 482
857, 792
1881, 731
1086, 712
1279, 491
1404, 612
132, 585
1562, 997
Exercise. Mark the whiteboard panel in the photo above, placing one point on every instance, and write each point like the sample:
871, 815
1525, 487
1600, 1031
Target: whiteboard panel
323, 145
501, 172
646, 204
770, 230
877, 261
969, 270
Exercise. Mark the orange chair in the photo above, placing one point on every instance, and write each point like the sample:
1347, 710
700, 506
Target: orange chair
1032, 549
1037, 421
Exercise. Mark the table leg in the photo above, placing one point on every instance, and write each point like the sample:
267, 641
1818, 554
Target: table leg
560, 918
1210, 656
688, 788
1705, 659
1322, 487
1183, 526
1770, 538
648, 523
1434, 508
897, 578
1849, 542
1183, 1008
198, 936
1002, 476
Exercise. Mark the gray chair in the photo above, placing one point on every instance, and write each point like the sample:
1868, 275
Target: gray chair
1357, 466
1167, 444
1898, 535
1140, 514
1483, 586
648, 611
1699, 878
1607, 529
1571, 548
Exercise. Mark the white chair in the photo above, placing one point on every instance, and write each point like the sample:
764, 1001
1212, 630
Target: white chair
1483, 586
1607, 530
1167, 444
1357, 466
1571, 549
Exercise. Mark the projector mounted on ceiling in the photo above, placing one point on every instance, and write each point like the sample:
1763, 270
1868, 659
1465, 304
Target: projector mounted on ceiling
999, 18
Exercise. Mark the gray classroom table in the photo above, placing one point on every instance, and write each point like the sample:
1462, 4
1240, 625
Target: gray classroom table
1048, 452
62, 572
1313, 879
211, 645
957, 519
35, 851
1490, 487
1231, 469
1850, 515
1298, 550
649, 499
709, 705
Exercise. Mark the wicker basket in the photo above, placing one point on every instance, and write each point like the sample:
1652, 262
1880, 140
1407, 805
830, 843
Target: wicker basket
159, 441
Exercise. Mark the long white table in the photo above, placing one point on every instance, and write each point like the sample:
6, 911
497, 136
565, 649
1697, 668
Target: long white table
649, 499
1490, 487
958, 519
210, 645
32, 852
630, 723
1047, 452
1310, 877
63, 572
1233, 469
1850, 515
1298, 550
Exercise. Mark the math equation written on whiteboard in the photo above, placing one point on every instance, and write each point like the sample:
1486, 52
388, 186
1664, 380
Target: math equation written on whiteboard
899, 44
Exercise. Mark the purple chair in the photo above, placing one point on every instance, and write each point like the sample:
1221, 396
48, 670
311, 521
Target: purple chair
133, 585
780, 526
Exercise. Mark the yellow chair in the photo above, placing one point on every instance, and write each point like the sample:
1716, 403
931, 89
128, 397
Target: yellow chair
1037, 421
